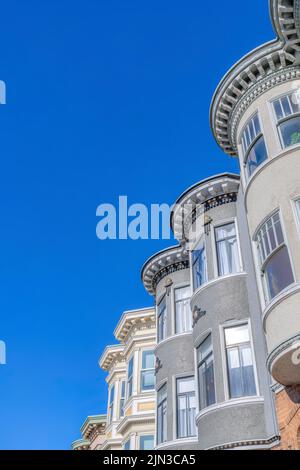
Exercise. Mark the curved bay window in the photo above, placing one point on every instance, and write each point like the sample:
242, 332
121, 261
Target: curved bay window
275, 261
253, 144
148, 371
287, 111
227, 249
162, 414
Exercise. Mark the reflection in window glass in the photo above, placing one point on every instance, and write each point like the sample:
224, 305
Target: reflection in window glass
287, 111
183, 314
199, 264
253, 144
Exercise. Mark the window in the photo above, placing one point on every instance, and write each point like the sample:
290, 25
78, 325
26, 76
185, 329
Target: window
127, 445
206, 376
227, 249
162, 415
148, 371
183, 314
162, 320
199, 264
186, 408
287, 111
130, 378
146, 442
253, 144
111, 404
275, 261
122, 398
240, 367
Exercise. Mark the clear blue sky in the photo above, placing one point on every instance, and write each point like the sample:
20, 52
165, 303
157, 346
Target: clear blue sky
105, 98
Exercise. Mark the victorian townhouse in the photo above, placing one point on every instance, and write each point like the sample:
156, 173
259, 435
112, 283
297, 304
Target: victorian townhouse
217, 364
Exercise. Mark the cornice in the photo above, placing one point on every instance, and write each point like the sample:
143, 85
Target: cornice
111, 356
81, 444
93, 427
133, 321
163, 264
259, 66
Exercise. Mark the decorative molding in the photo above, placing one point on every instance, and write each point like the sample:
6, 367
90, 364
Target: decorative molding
197, 314
260, 70
258, 442
280, 349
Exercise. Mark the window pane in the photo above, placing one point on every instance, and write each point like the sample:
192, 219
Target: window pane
290, 131
237, 335
182, 293
278, 272
205, 349
199, 265
148, 360
127, 445
257, 155
130, 367
186, 385
147, 443
162, 394
227, 250
183, 314
206, 374
234, 373
248, 371
278, 109
298, 208
148, 380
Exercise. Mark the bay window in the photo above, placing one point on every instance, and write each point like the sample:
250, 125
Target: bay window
183, 314
240, 367
122, 399
206, 378
162, 320
227, 249
127, 445
287, 112
162, 414
130, 378
186, 407
111, 404
253, 144
199, 264
274, 257
148, 371
147, 442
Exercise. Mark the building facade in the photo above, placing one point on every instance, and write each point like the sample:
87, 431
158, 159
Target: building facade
225, 331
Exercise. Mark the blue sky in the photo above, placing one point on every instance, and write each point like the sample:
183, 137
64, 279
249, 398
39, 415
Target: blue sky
104, 98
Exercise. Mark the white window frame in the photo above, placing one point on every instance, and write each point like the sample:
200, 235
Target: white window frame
176, 379
177, 287
199, 343
146, 370
130, 379
158, 405
165, 314
260, 265
122, 399
111, 403
219, 224
246, 151
222, 328
278, 121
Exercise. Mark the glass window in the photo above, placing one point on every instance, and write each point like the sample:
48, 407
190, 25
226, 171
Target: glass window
287, 111
183, 314
111, 404
227, 249
240, 366
199, 264
162, 320
122, 398
206, 376
162, 415
186, 408
130, 378
146, 442
275, 261
127, 445
253, 144
148, 371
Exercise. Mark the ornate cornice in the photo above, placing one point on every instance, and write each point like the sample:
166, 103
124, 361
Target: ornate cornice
254, 69
81, 444
111, 356
162, 265
134, 321
259, 442
93, 427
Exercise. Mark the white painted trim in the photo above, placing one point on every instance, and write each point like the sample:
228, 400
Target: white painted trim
176, 443
229, 404
290, 290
